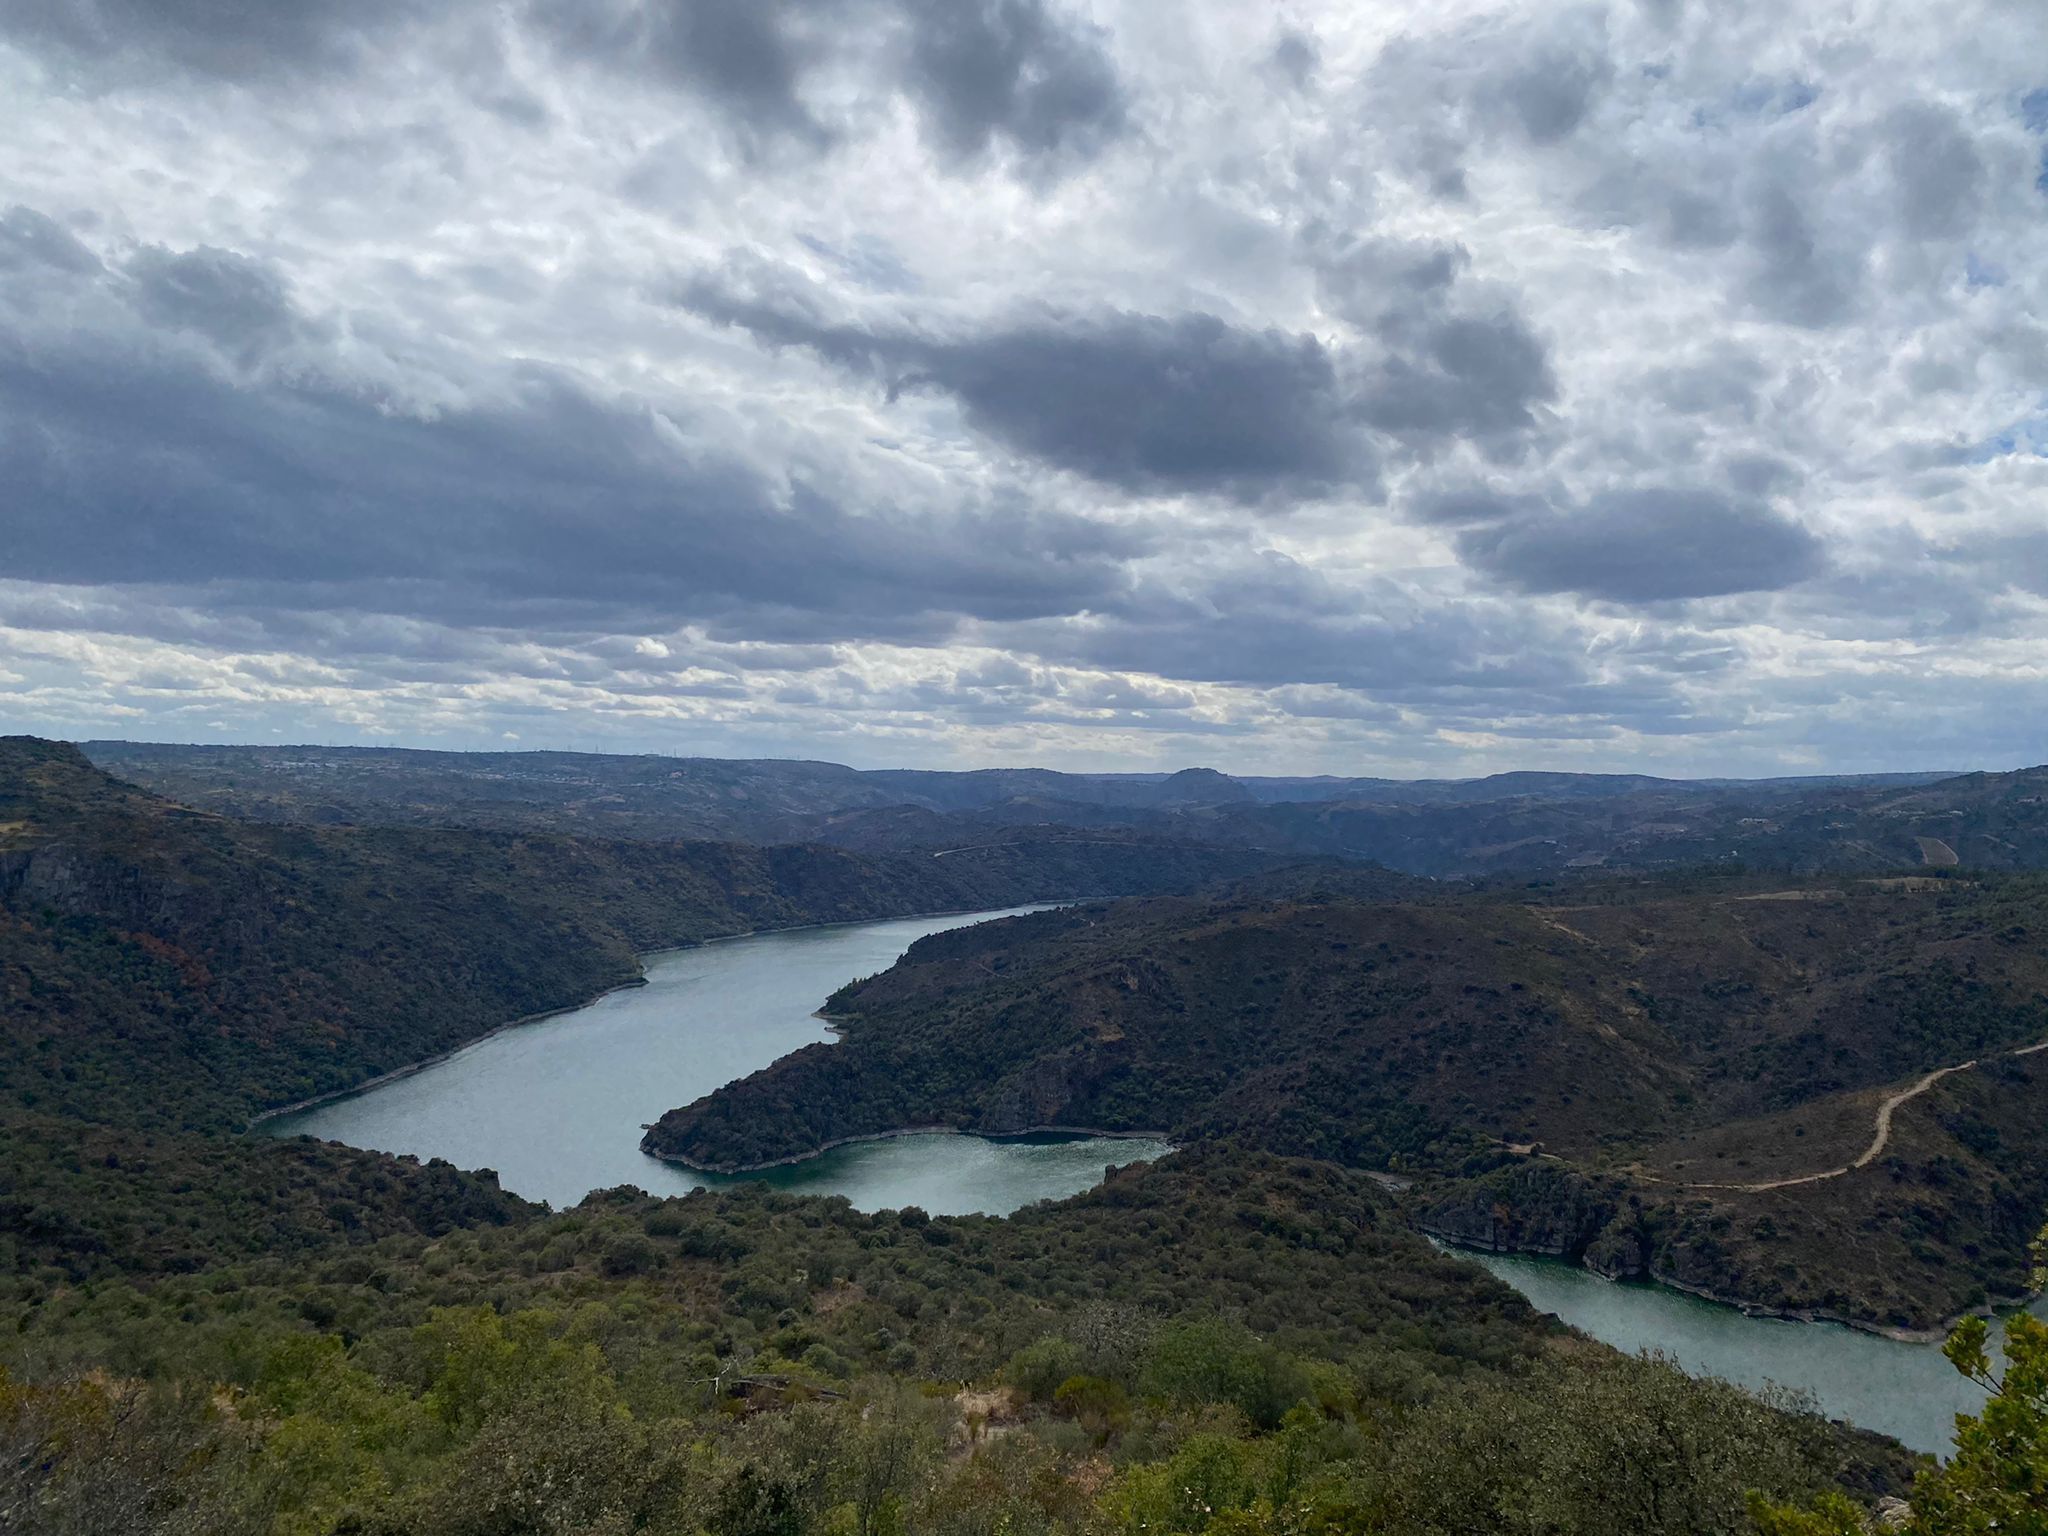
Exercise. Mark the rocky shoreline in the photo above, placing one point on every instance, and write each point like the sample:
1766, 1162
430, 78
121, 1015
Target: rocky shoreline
410, 1069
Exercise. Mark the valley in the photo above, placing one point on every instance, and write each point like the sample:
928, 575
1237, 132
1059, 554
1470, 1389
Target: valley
1345, 1059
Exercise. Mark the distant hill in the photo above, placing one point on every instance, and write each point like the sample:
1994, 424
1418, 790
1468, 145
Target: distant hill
1508, 823
1645, 1037
166, 973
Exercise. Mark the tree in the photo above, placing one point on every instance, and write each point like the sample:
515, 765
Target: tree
1997, 1480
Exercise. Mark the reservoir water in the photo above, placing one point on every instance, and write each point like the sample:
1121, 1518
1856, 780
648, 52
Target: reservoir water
556, 1107
1908, 1391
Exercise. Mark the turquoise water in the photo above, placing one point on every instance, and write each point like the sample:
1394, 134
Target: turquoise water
557, 1106
1906, 1390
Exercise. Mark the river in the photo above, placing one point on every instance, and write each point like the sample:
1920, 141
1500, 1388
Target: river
556, 1108
1909, 1391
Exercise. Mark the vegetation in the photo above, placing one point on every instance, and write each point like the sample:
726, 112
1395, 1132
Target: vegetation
1510, 823
206, 1333
1236, 1344
81, 1203
164, 968
1588, 1070
1997, 1480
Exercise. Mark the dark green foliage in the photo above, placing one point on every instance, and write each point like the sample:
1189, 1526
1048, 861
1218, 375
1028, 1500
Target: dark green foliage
207, 1333
577, 1400
1997, 1480
1641, 1036
79, 1202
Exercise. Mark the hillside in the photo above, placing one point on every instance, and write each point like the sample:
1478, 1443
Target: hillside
1644, 1038
179, 969
166, 974
1243, 1327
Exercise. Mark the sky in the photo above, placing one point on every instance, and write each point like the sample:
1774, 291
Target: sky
1293, 387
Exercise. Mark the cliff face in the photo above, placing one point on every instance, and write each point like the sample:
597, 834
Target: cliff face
1535, 1207
1062, 1089
1939, 1225
76, 880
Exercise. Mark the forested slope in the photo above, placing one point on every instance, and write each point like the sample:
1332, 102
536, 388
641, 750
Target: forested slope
165, 974
166, 967
1602, 1026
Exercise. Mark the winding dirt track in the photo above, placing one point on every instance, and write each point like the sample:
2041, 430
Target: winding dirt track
1878, 1142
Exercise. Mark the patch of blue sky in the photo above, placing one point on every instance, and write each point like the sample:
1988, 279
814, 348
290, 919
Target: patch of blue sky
1757, 98
2027, 436
1979, 273
2034, 110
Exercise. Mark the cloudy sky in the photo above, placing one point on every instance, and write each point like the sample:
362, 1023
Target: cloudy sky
1403, 388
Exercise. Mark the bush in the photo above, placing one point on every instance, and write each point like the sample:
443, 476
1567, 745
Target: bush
1211, 1361
1038, 1369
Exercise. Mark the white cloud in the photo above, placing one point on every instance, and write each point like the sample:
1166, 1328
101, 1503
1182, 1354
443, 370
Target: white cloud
347, 397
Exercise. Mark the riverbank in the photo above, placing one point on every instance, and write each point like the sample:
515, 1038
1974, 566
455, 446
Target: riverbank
1079, 1132
1936, 1334
398, 1074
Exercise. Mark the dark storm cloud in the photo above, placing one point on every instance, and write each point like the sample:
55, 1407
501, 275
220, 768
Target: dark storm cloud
232, 39
1550, 95
1494, 82
28, 237
1644, 546
1373, 282
982, 75
1296, 56
982, 71
1192, 403
1183, 404
130, 459
1141, 402
747, 56
1465, 508
1265, 620
1801, 272
1471, 376
242, 304
1451, 362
